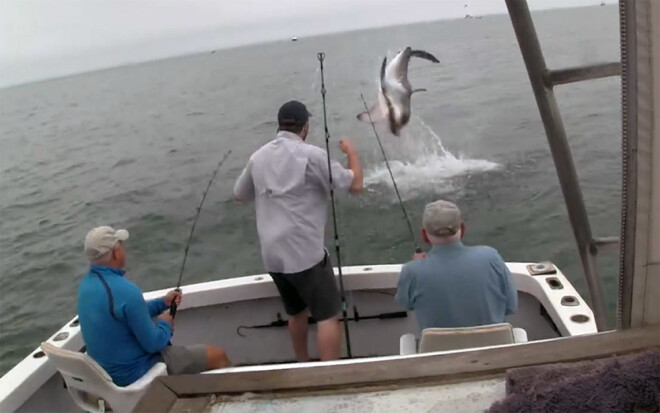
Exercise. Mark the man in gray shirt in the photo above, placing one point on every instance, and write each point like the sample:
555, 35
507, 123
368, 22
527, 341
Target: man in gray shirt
288, 180
455, 285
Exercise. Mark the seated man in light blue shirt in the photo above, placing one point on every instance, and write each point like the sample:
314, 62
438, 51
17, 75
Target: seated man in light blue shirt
454, 285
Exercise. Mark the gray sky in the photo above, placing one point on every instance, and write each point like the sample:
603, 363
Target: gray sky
48, 38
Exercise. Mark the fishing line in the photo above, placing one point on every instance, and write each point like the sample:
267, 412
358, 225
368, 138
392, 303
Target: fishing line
321, 57
396, 189
192, 230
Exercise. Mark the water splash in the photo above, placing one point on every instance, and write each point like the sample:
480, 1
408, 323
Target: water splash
316, 79
421, 164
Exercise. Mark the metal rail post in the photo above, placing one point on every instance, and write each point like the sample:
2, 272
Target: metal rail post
561, 152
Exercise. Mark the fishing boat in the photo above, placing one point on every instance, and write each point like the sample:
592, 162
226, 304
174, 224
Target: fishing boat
245, 316
392, 367
294, 39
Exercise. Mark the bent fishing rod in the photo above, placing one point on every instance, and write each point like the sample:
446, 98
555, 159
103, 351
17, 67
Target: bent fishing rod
192, 230
321, 57
396, 189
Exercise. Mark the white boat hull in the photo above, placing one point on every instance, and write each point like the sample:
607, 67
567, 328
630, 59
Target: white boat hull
212, 313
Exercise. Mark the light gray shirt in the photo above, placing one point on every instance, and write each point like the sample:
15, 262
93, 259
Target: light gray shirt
288, 180
458, 286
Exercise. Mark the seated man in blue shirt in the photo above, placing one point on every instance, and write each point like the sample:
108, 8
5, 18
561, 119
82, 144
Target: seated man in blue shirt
455, 285
117, 324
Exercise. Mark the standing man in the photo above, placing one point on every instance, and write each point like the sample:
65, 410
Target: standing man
289, 181
455, 285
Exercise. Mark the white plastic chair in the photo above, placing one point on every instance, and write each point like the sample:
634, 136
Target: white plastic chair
445, 339
91, 387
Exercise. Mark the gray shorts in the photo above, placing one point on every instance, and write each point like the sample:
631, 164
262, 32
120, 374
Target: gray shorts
315, 288
185, 359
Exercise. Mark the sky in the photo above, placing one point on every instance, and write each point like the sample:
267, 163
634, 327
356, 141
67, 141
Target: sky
41, 39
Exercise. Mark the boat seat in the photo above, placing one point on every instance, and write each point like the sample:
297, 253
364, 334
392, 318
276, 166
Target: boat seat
91, 387
445, 339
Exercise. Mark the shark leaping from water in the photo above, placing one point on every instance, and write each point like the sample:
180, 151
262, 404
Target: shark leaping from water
393, 104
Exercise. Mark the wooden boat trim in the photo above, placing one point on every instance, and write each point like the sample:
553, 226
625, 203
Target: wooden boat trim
401, 369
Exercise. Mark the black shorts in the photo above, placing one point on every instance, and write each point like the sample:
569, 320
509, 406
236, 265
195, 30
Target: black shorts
314, 288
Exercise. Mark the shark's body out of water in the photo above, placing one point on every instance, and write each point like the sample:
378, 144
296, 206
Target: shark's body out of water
395, 91
133, 147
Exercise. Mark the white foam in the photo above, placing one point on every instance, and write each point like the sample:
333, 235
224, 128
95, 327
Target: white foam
420, 163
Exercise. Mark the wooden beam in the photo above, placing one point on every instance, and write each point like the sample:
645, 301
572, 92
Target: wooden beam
640, 275
158, 398
530, 47
651, 298
607, 244
578, 74
422, 366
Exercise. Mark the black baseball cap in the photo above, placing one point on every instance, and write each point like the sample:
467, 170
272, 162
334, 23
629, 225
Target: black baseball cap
293, 113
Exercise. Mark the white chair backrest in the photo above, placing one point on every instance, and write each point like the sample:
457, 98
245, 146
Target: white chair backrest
86, 381
75, 364
444, 339
91, 387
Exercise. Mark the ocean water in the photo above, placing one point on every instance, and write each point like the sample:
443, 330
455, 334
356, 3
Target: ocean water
134, 147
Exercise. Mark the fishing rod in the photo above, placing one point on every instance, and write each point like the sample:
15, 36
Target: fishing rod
396, 189
280, 322
321, 57
192, 230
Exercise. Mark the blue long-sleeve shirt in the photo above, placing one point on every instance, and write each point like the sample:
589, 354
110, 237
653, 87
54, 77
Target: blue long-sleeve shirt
458, 286
128, 346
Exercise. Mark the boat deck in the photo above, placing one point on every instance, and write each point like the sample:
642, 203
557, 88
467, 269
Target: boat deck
472, 396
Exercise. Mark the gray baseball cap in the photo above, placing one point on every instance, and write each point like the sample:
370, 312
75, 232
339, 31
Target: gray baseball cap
102, 240
441, 218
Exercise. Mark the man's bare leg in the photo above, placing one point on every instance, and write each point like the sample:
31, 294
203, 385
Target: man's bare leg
298, 327
216, 358
329, 339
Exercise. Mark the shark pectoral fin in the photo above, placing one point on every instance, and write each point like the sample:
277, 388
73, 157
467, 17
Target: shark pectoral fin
376, 113
424, 55
418, 90
364, 117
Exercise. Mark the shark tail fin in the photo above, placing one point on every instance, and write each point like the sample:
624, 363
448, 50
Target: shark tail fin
424, 55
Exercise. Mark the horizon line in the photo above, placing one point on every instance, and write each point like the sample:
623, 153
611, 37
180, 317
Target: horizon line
246, 44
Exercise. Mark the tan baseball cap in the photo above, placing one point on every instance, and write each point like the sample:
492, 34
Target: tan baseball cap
441, 218
101, 240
